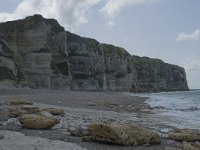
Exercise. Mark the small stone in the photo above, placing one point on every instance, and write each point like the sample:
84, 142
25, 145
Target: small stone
78, 131
121, 106
12, 124
130, 106
91, 104
1, 136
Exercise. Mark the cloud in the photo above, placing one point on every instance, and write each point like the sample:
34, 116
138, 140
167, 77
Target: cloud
113, 7
192, 65
195, 36
69, 13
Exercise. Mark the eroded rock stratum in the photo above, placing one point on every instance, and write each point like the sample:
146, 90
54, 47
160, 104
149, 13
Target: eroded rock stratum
39, 53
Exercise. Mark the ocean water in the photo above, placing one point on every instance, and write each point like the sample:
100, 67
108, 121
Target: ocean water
177, 109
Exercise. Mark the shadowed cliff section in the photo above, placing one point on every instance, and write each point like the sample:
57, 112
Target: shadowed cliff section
156, 75
39, 53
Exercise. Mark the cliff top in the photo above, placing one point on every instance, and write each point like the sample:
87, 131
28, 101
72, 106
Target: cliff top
28, 23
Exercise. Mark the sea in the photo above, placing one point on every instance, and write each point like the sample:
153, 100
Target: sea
177, 109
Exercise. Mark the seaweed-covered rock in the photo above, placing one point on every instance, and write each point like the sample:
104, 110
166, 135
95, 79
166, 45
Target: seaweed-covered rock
32, 121
123, 134
189, 135
191, 146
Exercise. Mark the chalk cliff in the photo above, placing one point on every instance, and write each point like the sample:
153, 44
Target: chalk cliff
39, 53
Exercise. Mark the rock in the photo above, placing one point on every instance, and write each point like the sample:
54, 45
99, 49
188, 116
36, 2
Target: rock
30, 109
55, 111
188, 135
45, 113
12, 124
91, 104
191, 146
1, 136
123, 134
79, 131
32, 121
21, 102
15, 112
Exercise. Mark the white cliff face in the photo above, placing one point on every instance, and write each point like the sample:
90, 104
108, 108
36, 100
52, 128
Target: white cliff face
119, 69
39, 53
155, 75
38, 48
86, 62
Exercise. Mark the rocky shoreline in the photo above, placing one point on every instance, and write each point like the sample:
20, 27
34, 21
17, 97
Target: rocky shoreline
77, 111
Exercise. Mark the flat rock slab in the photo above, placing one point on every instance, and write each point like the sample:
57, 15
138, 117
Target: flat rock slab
18, 141
32, 121
122, 134
189, 135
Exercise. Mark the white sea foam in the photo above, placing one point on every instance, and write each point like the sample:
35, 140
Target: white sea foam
182, 109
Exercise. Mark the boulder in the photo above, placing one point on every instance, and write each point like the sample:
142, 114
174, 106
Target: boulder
191, 146
55, 111
30, 109
21, 102
122, 134
33, 121
12, 124
188, 135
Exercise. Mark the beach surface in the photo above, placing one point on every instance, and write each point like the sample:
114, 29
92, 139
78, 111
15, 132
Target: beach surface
81, 109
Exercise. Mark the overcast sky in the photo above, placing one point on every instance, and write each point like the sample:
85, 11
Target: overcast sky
165, 29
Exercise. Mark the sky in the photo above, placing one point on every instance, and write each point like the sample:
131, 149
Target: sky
165, 29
